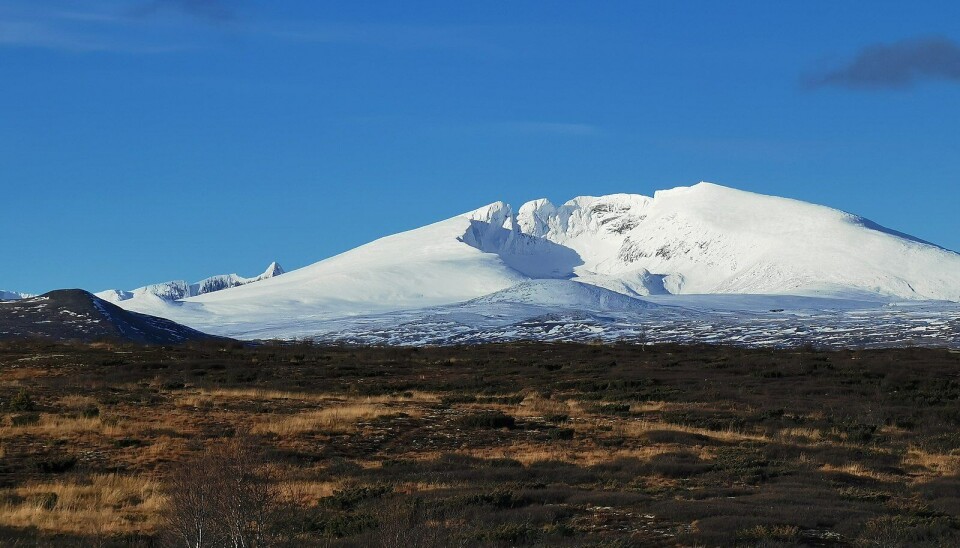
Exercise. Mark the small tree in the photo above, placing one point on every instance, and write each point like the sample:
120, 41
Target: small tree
223, 497
190, 517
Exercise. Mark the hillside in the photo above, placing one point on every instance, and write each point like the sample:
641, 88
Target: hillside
76, 315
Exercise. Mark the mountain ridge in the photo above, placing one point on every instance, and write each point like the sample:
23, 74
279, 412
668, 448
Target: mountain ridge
180, 289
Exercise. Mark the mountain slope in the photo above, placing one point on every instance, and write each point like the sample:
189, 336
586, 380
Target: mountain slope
74, 314
13, 295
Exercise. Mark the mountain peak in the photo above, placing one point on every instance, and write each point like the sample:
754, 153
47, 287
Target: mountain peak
273, 270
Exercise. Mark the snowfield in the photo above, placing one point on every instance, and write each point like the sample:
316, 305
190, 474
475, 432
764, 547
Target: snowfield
705, 263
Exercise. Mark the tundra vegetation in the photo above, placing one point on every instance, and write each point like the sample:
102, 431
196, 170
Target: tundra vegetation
293, 444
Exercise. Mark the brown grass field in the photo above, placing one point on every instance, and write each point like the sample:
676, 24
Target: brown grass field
494, 445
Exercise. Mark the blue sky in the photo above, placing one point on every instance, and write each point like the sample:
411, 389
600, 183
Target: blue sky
142, 141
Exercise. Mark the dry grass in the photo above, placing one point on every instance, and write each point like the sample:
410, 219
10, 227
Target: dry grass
859, 470
206, 397
638, 428
570, 453
535, 405
699, 448
341, 418
807, 435
58, 426
102, 504
76, 401
307, 493
935, 464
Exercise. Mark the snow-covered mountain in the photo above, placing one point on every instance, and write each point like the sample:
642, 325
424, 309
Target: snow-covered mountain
180, 289
13, 295
704, 239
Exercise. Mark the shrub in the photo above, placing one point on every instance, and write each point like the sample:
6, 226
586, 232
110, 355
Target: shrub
90, 411
452, 399
25, 419
487, 419
56, 464
22, 401
501, 498
350, 497
557, 417
127, 442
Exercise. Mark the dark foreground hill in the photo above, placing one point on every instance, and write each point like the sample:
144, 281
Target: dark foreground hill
76, 315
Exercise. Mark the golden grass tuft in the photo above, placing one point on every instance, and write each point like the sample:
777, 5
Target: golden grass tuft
535, 405
76, 401
59, 425
102, 504
807, 435
937, 464
636, 429
859, 470
341, 418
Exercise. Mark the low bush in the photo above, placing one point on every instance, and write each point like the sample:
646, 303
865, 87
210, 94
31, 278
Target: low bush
22, 401
487, 419
25, 419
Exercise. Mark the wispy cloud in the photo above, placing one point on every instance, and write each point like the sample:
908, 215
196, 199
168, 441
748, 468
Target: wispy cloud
897, 65
117, 26
46, 34
554, 128
169, 25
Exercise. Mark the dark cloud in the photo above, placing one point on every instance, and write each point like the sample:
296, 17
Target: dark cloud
897, 65
210, 10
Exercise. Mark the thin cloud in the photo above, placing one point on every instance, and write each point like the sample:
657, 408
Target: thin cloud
897, 65
51, 36
106, 27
